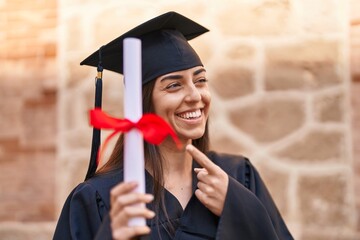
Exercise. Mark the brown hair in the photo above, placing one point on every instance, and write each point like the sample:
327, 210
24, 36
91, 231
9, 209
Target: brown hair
153, 157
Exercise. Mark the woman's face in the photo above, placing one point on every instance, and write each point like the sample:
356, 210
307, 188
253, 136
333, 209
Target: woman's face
183, 99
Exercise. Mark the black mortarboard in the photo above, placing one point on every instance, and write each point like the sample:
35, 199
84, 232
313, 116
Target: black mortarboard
165, 49
165, 46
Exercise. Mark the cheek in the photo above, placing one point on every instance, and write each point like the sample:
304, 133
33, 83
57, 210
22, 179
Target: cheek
164, 106
157, 109
206, 96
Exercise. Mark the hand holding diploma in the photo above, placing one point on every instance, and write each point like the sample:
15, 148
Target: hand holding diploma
124, 201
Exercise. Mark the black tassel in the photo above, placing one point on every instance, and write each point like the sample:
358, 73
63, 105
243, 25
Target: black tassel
96, 137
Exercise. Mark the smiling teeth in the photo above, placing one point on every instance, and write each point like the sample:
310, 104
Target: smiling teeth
190, 115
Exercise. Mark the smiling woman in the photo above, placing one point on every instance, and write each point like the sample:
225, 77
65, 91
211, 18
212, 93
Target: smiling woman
192, 193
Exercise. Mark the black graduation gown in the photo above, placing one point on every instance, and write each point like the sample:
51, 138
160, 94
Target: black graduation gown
249, 212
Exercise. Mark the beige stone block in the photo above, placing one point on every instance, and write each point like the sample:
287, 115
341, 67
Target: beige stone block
75, 3
329, 108
197, 10
277, 184
14, 33
240, 52
30, 23
10, 121
27, 184
226, 144
3, 49
322, 201
24, 80
74, 35
28, 231
12, 83
74, 111
304, 66
329, 234
23, 49
67, 112
71, 170
232, 82
269, 119
260, 18
355, 103
76, 73
12, 77
295, 76
39, 121
203, 48
322, 16
316, 146
38, 5
122, 19
79, 139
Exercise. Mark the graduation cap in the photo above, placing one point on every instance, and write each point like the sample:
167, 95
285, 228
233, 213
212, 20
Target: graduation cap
165, 49
165, 46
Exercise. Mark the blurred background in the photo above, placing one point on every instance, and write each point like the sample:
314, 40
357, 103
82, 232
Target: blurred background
285, 81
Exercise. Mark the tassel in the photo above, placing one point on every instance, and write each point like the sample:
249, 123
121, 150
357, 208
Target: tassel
96, 136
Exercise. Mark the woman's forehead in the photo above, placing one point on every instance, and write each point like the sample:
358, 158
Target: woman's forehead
193, 71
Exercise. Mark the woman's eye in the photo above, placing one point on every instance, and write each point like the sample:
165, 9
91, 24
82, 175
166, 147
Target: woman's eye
172, 86
201, 80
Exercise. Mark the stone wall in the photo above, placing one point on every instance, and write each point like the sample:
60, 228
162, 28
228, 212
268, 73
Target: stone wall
355, 92
280, 76
28, 93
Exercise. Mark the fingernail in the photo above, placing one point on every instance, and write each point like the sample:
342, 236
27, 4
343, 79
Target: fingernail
151, 214
189, 147
149, 197
133, 183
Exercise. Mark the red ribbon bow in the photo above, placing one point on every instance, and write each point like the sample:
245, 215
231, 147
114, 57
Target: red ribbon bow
153, 127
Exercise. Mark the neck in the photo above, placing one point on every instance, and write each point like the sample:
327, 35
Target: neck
176, 162
177, 171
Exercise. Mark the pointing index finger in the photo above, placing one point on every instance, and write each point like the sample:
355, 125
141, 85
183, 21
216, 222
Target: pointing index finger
201, 158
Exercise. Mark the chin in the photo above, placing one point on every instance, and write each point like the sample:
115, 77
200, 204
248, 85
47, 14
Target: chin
194, 136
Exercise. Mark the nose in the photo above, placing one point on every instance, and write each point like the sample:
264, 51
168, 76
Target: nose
193, 94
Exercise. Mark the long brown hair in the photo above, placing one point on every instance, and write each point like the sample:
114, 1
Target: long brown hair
153, 157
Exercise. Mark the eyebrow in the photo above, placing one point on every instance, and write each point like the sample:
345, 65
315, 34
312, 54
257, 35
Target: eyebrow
176, 77
197, 72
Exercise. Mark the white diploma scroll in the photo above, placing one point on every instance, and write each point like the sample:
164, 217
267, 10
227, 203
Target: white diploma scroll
133, 146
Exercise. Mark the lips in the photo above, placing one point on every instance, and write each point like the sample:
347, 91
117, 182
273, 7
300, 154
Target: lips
190, 114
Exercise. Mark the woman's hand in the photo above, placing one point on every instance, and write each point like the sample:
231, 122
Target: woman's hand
126, 204
212, 182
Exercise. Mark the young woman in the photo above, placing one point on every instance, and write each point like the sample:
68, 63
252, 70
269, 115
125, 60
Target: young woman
192, 193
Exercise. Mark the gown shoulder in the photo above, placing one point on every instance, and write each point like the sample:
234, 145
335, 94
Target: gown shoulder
85, 212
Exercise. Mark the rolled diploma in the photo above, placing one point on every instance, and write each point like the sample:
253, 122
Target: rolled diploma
133, 145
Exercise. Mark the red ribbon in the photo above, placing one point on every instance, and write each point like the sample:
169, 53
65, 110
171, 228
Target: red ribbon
153, 127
